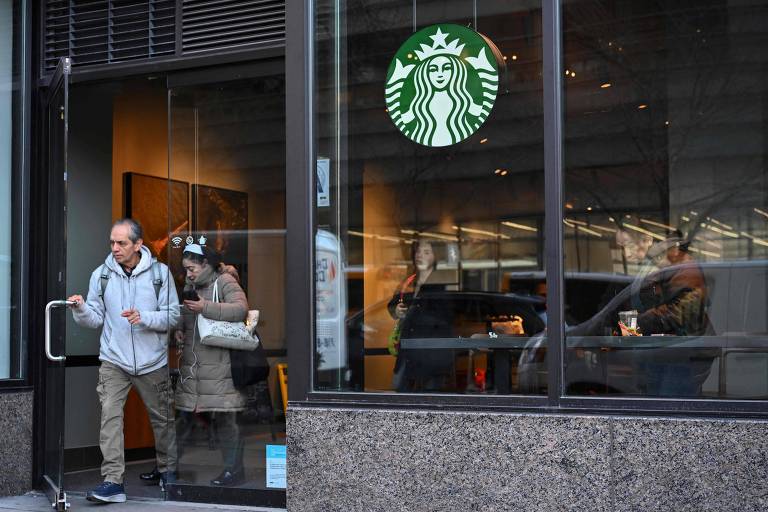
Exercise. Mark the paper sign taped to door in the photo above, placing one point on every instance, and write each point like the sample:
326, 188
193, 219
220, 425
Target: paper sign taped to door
323, 182
276, 466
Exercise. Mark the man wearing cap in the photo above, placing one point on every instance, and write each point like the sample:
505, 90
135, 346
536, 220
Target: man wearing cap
678, 307
132, 298
680, 294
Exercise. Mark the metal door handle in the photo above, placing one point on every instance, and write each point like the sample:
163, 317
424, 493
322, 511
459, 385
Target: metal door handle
48, 307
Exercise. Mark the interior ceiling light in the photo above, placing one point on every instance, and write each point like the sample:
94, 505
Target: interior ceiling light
603, 228
589, 231
428, 234
721, 224
605, 85
578, 227
523, 227
756, 240
706, 253
657, 224
643, 231
481, 232
718, 230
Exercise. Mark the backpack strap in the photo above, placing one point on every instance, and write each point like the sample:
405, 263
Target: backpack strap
104, 277
157, 280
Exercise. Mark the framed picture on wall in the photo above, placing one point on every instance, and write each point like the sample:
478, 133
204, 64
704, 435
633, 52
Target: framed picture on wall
162, 207
221, 216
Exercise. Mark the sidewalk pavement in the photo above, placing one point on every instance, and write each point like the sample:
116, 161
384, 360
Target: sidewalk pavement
38, 502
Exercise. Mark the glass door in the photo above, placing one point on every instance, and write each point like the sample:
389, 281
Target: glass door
227, 149
56, 129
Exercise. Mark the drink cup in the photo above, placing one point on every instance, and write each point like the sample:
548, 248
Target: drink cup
629, 318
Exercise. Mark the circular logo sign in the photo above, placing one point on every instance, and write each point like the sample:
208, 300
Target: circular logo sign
441, 85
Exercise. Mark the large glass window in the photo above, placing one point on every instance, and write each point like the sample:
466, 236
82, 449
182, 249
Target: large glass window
429, 154
666, 195
227, 246
11, 131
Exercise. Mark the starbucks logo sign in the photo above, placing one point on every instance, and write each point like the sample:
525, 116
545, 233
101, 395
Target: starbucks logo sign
441, 85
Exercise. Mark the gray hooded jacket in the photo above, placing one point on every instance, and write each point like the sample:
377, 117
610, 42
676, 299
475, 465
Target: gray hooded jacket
140, 348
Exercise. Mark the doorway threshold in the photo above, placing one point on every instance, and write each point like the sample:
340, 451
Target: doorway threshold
38, 502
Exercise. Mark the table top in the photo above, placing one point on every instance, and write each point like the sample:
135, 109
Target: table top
746, 342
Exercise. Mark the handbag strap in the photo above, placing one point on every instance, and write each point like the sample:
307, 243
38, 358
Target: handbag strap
216, 290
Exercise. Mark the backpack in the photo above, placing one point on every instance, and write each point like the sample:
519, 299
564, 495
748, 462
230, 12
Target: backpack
157, 281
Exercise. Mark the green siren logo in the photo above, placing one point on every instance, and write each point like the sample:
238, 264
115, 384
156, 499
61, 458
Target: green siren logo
441, 85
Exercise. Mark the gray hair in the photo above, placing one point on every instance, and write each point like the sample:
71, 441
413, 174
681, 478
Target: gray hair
137, 232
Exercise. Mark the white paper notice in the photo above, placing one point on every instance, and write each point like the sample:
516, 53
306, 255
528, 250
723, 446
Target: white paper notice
323, 182
276, 466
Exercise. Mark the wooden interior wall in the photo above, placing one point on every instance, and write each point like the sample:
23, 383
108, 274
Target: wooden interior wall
139, 144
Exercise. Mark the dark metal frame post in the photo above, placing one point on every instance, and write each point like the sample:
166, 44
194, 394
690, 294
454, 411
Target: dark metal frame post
300, 219
21, 364
553, 194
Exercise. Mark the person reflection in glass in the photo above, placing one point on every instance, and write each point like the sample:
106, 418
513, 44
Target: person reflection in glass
205, 384
419, 370
677, 301
673, 302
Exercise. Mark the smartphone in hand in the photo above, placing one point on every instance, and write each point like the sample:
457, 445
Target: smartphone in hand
190, 295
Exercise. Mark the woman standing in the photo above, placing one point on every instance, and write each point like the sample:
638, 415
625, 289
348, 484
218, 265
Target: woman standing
205, 383
419, 370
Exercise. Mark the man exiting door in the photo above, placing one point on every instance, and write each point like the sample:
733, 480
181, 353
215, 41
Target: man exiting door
132, 298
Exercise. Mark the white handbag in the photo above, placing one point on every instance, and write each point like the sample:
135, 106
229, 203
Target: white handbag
223, 334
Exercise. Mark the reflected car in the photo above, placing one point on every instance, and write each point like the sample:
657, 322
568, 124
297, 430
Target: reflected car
728, 359
437, 315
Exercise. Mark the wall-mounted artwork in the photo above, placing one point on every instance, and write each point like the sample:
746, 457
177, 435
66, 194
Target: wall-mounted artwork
162, 208
221, 216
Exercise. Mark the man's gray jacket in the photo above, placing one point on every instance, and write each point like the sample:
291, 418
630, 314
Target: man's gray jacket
140, 348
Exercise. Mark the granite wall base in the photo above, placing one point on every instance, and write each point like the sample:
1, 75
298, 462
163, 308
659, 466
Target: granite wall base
385, 460
15, 443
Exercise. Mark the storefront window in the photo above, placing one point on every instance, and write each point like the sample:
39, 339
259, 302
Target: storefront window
666, 194
10, 162
430, 198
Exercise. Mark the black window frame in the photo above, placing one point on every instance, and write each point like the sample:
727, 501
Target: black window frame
21, 153
301, 224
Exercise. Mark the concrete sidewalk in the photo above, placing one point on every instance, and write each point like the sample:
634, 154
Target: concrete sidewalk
37, 502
